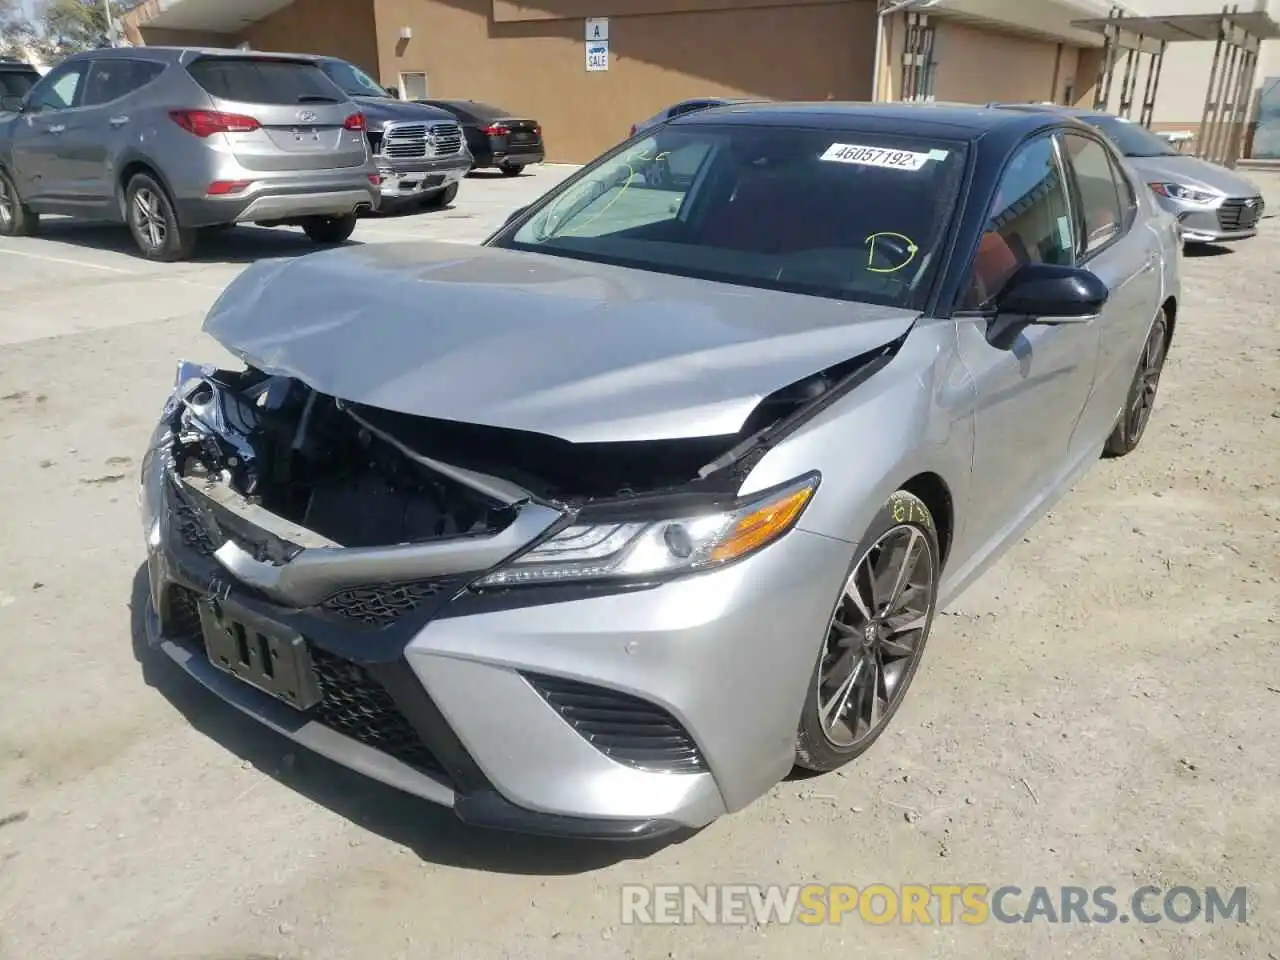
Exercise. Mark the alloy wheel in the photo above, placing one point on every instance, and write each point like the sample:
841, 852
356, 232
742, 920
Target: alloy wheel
148, 218
876, 636
6, 204
1149, 369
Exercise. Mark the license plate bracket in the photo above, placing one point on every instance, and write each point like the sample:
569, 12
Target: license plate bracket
264, 654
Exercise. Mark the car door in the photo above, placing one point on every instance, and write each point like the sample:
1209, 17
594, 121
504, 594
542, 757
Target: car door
1127, 258
1032, 379
101, 127
37, 136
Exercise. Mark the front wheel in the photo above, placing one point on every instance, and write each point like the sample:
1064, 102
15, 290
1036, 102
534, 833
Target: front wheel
16, 218
875, 637
154, 223
1142, 392
329, 230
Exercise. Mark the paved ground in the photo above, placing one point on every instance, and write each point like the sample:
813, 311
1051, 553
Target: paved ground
1098, 710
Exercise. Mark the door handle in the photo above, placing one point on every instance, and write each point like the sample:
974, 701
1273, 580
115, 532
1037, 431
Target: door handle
118, 121
55, 128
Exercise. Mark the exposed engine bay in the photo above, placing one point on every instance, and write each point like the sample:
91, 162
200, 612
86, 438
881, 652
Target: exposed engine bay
360, 476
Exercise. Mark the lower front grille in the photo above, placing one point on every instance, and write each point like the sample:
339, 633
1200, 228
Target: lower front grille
356, 705
1240, 214
622, 727
379, 605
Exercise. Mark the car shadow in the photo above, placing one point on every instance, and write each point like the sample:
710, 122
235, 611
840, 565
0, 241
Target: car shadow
399, 211
495, 174
1198, 250
239, 244
433, 833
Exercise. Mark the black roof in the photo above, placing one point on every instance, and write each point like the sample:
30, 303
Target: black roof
1052, 108
952, 121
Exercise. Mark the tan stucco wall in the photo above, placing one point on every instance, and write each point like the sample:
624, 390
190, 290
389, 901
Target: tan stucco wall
339, 28
977, 65
537, 67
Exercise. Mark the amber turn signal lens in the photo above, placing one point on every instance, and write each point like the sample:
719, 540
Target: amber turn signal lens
765, 523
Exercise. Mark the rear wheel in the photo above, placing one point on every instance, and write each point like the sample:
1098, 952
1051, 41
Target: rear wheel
1142, 392
512, 169
875, 637
16, 218
329, 230
154, 223
444, 197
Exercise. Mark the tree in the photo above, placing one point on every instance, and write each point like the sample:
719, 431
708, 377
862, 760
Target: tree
73, 25
17, 33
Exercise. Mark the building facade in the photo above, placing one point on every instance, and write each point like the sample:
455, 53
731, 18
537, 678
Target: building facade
531, 56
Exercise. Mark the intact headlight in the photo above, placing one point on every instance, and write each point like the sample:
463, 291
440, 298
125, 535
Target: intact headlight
1177, 191
664, 547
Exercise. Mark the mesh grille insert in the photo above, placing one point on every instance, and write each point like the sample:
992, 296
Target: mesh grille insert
378, 605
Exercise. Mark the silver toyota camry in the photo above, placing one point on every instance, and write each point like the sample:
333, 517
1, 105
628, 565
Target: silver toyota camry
600, 528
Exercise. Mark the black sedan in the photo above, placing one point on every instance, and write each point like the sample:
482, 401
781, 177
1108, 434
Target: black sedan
494, 137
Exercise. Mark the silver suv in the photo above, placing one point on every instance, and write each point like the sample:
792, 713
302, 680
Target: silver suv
170, 140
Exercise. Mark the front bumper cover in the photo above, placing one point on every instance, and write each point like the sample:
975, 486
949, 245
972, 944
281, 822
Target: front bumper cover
402, 179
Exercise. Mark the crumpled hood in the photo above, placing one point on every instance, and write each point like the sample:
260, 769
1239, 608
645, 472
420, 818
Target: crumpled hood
580, 351
1194, 172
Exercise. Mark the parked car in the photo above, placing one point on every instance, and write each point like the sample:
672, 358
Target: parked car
419, 150
16, 77
495, 137
681, 108
597, 529
171, 140
1213, 204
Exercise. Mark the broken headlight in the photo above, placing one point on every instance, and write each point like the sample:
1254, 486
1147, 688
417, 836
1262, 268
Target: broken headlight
659, 548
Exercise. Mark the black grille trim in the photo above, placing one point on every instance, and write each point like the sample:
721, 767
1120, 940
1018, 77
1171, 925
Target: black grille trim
190, 528
356, 705
382, 604
623, 727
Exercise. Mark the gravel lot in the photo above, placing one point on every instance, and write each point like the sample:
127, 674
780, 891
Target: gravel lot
1095, 711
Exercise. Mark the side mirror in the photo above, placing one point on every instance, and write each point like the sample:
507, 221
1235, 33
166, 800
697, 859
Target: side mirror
1047, 293
12, 104
518, 211
392, 92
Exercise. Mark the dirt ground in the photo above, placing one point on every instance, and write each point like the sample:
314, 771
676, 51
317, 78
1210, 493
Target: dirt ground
1098, 710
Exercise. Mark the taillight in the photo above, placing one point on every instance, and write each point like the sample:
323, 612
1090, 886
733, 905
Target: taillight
205, 123
355, 122
537, 131
222, 188
496, 130
375, 179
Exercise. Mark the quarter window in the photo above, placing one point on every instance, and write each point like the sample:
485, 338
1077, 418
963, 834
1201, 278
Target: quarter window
1029, 222
1101, 216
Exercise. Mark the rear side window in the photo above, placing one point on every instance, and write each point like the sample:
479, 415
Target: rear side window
113, 78
257, 80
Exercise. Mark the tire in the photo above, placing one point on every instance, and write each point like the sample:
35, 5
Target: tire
829, 737
512, 169
154, 223
1141, 399
329, 230
16, 218
443, 198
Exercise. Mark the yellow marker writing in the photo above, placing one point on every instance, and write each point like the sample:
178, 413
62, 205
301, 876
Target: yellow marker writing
912, 250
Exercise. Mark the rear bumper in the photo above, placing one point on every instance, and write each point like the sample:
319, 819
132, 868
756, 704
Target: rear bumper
414, 178
268, 201
518, 156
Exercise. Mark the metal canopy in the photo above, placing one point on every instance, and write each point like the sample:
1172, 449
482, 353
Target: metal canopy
1229, 96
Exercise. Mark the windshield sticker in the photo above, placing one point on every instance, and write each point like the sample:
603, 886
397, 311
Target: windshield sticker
879, 157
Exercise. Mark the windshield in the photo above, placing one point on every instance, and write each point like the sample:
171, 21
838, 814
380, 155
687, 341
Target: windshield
852, 216
16, 83
1133, 140
353, 81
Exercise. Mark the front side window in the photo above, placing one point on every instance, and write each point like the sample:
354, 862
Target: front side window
1029, 222
846, 215
58, 91
1101, 218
